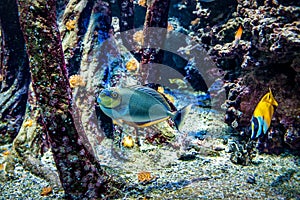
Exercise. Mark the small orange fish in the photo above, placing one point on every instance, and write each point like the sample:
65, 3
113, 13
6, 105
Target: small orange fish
238, 36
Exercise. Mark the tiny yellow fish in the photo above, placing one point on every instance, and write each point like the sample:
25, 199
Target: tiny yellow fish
262, 115
238, 36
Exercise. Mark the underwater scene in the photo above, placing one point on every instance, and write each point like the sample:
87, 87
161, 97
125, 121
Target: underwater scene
150, 99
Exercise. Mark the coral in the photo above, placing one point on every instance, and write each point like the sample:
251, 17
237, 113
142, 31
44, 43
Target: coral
76, 81
70, 25
138, 37
128, 142
145, 177
28, 123
272, 143
6, 153
46, 191
201, 12
170, 27
132, 65
266, 56
142, 3
292, 137
241, 153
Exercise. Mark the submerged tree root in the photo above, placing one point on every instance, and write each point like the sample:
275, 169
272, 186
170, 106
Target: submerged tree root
26, 150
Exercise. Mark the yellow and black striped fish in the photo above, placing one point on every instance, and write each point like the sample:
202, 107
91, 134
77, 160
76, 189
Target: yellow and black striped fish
138, 106
262, 115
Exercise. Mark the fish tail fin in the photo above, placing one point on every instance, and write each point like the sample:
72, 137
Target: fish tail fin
179, 116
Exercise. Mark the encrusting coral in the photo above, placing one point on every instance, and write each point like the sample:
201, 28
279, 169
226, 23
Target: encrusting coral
70, 25
132, 65
76, 81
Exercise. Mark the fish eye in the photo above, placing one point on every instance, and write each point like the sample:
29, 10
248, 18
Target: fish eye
114, 95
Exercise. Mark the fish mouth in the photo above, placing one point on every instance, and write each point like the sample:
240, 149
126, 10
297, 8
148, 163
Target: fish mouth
105, 92
98, 100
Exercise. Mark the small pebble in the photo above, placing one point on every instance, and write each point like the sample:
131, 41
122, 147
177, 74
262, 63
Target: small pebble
251, 179
187, 157
218, 148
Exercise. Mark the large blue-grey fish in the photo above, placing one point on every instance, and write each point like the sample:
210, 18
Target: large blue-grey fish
138, 106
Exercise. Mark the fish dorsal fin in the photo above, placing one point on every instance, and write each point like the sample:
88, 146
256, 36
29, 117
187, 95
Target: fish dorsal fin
151, 92
269, 98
